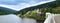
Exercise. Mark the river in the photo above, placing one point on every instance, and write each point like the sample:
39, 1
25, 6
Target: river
11, 18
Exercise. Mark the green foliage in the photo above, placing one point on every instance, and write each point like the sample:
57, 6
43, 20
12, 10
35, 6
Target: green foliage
3, 12
56, 10
49, 9
29, 13
33, 14
58, 2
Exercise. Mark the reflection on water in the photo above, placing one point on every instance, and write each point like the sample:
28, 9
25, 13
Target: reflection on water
29, 20
11, 18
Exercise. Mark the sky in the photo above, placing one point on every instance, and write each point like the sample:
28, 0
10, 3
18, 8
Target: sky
19, 4
15, 2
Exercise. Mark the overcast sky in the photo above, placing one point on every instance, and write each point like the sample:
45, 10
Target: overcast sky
19, 4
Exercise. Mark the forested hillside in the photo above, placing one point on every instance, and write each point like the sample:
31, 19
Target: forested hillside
47, 5
3, 12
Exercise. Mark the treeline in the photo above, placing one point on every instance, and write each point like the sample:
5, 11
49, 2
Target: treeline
3, 12
46, 5
58, 2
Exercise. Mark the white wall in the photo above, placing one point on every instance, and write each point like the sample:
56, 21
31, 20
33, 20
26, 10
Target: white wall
49, 14
50, 17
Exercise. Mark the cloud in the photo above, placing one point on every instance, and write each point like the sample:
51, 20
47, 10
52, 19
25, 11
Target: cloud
15, 7
19, 6
15, 2
32, 3
10, 2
